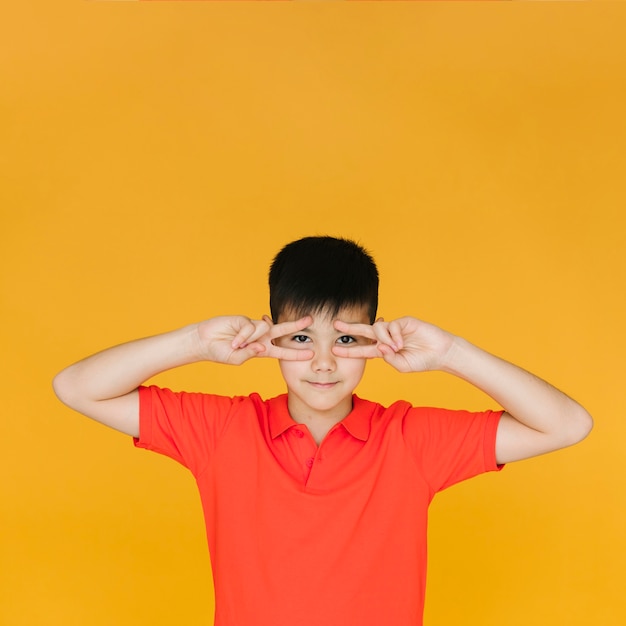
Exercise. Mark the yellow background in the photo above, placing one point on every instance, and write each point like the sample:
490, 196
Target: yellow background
156, 156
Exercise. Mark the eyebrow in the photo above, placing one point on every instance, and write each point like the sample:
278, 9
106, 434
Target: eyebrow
338, 332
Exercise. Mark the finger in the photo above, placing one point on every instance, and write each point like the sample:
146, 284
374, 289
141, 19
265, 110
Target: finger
250, 332
261, 330
358, 352
288, 328
287, 354
381, 332
244, 334
361, 330
383, 336
242, 354
395, 359
396, 332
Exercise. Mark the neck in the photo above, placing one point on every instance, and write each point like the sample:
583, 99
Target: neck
319, 422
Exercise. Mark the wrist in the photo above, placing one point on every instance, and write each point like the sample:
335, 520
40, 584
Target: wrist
457, 356
192, 342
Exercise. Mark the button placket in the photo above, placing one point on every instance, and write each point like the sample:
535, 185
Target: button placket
304, 449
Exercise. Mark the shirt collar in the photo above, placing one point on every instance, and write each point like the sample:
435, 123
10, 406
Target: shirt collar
357, 422
279, 418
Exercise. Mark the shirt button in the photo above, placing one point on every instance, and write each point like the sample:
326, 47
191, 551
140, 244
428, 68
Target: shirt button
298, 433
309, 462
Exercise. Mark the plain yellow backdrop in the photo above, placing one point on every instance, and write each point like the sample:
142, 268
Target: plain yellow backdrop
154, 158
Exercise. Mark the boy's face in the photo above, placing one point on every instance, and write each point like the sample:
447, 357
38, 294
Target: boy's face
323, 386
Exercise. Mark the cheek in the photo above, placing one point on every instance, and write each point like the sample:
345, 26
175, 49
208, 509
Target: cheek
356, 368
290, 369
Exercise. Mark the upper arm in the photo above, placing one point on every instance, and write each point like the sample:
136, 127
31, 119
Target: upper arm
121, 413
516, 441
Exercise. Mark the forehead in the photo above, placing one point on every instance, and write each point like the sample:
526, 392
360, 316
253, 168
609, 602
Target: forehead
353, 314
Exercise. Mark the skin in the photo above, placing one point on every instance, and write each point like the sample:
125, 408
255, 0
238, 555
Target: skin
320, 388
538, 418
104, 386
322, 361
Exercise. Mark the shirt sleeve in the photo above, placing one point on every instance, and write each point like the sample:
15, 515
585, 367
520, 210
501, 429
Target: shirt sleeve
451, 446
183, 426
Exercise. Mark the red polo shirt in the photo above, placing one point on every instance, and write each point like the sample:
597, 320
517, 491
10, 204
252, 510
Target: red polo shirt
302, 535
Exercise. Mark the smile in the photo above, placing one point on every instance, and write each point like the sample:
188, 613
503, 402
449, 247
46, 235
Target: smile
321, 385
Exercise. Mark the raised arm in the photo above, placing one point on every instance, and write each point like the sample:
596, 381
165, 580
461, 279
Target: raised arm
104, 385
538, 417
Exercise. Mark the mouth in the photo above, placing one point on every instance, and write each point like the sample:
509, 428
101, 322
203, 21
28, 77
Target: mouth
318, 385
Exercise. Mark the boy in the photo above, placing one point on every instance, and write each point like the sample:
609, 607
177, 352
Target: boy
316, 501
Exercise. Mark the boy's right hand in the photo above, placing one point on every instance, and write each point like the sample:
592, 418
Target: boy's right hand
235, 339
104, 385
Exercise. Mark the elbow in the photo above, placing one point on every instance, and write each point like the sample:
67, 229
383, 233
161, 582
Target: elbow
580, 425
62, 387
57, 385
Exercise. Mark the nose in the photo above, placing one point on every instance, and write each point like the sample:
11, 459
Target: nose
323, 360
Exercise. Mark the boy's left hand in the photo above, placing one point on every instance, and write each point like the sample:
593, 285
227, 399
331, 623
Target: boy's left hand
538, 418
408, 344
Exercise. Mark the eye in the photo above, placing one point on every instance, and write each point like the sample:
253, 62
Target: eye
346, 340
300, 338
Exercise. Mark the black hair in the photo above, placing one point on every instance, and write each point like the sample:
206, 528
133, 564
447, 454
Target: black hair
327, 274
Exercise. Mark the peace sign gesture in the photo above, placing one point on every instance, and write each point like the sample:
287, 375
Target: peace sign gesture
235, 339
407, 343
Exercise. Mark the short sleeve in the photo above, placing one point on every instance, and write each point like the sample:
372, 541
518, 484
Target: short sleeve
183, 426
451, 446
